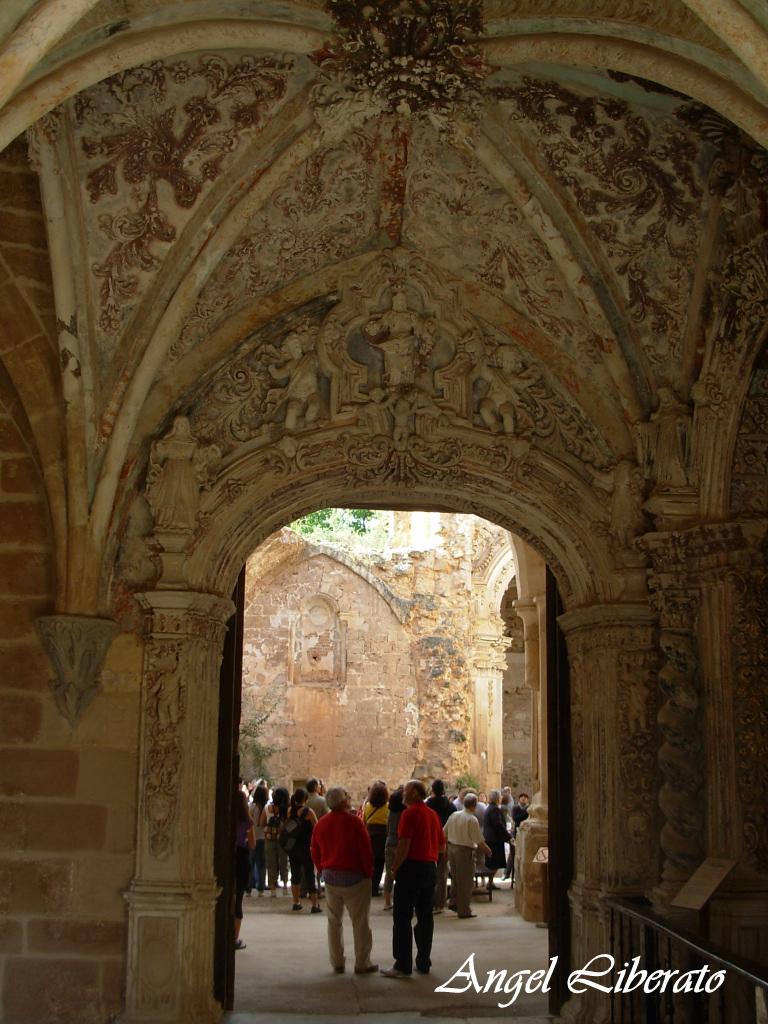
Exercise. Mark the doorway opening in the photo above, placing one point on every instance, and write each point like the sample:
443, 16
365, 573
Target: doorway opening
381, 644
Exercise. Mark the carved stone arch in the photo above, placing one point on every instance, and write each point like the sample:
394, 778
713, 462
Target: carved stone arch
220, 552
689, 73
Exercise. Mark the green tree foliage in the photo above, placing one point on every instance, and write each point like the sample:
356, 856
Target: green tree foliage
467, 781
254, 753
330, 523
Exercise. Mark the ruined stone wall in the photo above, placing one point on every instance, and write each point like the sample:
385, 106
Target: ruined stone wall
325, 649
391, 691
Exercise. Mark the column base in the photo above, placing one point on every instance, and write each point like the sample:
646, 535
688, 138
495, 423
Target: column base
170, 970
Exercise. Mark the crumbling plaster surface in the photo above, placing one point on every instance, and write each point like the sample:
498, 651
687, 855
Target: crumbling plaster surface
397, 695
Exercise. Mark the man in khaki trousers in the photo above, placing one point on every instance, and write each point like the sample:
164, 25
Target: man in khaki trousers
341, 850
462, 832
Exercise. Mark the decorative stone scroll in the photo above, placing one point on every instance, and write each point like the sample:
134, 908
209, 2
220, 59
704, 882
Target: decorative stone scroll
77, 646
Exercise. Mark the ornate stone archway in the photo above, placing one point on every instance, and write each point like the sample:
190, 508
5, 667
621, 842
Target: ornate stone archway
390, 393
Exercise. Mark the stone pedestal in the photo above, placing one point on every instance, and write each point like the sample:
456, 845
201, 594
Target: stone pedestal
531, 898
173, 895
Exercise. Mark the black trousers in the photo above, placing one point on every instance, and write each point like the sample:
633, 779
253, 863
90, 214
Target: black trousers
413, 894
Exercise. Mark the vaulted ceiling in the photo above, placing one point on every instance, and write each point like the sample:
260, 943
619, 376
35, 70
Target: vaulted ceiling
205, 183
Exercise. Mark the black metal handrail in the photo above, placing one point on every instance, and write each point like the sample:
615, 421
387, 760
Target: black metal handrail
752, 972
664, 943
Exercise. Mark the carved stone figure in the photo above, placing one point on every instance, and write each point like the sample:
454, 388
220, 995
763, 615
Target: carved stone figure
405, 338
627, 518
496, 408
297, 372
178, 466
402, 407
665, 442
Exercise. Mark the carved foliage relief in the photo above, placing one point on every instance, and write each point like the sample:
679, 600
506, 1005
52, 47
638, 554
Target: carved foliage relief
399, 358
749, 483
150, 142
750, 630
410, 56
456, 212
323, 213
634, 178
165, 706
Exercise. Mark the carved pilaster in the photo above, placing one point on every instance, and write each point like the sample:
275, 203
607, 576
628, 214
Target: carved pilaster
681, 798
77, 646
173, 894
748, 581
613, 660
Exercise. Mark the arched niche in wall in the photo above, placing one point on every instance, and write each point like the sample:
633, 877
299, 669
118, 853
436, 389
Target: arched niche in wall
318, 644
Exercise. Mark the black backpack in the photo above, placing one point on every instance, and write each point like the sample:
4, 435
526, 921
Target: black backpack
291, 832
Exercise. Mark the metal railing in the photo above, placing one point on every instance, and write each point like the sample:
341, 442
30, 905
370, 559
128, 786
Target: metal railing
662, 946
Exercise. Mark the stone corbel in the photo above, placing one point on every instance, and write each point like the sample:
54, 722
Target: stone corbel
76, 646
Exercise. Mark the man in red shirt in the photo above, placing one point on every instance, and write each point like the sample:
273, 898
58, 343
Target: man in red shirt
419, 841
341, 850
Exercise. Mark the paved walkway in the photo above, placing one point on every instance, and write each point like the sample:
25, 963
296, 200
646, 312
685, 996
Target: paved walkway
284, 975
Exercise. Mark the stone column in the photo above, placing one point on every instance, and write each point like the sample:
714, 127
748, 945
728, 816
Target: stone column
733, 645
530, 898
172, 897
613, 665
488, 664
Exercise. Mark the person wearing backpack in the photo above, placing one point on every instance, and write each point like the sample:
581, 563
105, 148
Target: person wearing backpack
272, 818
295, 839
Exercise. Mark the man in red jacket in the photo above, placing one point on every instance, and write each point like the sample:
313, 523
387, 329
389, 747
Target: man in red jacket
341, 850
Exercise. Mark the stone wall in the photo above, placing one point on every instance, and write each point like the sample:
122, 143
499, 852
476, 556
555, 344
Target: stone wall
327, 650
390, 691
67, 805
67, 797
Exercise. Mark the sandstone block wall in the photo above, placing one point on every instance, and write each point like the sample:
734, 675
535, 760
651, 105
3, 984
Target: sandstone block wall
326, 649
390, 698
67, 798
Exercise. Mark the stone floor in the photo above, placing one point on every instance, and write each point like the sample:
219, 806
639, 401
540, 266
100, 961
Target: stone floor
284, 976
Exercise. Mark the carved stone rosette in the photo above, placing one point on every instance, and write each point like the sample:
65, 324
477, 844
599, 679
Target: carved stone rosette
613, 657
173, 894
77, 646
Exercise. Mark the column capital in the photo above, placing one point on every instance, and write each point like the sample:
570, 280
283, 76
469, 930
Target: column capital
184, 612
607, 624
704, 547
